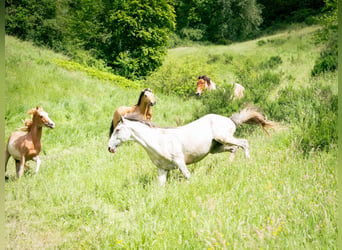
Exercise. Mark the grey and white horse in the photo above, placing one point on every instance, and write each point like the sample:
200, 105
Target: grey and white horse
172, 148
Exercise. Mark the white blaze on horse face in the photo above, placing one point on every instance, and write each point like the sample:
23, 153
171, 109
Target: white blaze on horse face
46, 120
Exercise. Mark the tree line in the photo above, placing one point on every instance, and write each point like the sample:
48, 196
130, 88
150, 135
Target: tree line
131, 37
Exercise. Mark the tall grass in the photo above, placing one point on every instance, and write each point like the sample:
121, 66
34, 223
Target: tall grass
85, 198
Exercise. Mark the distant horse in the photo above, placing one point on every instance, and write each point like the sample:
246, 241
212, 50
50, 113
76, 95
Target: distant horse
171, 148
25, 145
143, 108
238, 91
205, 82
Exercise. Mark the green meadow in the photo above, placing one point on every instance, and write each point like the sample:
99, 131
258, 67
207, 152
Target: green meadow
86, 198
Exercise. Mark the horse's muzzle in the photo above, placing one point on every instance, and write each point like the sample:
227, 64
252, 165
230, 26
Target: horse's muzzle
50, 125
152, 103
112, 150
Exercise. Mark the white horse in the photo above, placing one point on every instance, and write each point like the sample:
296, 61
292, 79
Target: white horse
171, 148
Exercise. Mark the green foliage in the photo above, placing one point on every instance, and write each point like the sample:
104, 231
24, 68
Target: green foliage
328, 59
101, 75
275, 11
314, 110
217, 21
35, 21
177, 77
130, 36
257, 82
219, 102
271, 63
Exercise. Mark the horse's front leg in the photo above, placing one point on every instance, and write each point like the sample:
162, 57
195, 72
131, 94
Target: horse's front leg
162, 174
38, 161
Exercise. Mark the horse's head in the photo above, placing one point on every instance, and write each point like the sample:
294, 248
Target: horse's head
41, 117
147, 97
121, 134
201, 85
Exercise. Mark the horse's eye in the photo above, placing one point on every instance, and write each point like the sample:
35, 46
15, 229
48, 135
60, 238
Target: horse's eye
41, 117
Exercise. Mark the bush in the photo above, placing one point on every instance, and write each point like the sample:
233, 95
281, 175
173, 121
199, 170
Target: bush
272, 63
219, 102
312, 112
327, 61
177, 77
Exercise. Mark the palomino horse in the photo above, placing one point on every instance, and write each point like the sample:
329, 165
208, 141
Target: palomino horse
171, 148
205, 82
25, 145
143, 109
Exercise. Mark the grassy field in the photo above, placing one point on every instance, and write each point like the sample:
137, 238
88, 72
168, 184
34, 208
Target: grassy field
85, 198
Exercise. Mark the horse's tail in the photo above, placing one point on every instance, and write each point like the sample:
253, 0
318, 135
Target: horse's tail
111, 129
250, 115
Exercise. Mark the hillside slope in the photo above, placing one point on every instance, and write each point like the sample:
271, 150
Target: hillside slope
85, 198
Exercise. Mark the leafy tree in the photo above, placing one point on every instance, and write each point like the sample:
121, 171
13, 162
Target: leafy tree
217, 21
288, 11
131, 36
33, 20
140, 34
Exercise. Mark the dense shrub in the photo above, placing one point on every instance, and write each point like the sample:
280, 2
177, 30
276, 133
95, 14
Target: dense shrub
313, 113
327, 61
179, 77
272, 63
219, 102
258, 82
327, 35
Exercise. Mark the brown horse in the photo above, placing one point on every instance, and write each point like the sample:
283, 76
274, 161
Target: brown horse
25, 145
205, 83
143, 109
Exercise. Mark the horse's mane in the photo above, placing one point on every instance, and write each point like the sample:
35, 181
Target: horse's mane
205, 78
28, 126
137, 118
141, 95
28, 123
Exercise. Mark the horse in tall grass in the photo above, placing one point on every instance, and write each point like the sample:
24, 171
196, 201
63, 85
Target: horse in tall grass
25, 144
171, 148
143, 109
205, 83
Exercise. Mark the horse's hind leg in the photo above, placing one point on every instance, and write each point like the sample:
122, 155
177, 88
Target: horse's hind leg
7, 156
20, 167
232, 150
231, 141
